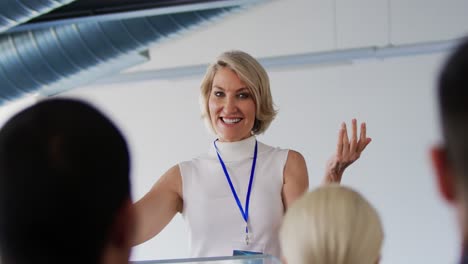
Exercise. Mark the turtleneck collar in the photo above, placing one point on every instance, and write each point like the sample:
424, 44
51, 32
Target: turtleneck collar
235, 151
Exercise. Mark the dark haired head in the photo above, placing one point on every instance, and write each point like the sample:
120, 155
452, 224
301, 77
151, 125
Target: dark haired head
453, 102
64, 174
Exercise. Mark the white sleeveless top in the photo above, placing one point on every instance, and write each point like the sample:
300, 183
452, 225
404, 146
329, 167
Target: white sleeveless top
215, 223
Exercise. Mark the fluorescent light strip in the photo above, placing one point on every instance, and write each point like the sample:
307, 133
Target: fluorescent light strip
301, 60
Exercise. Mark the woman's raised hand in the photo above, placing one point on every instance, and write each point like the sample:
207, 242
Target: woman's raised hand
347, 151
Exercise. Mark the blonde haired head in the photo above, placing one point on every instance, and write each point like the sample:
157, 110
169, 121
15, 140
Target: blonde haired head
253, 75
331, 225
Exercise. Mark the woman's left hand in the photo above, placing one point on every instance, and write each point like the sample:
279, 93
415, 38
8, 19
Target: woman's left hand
347, 151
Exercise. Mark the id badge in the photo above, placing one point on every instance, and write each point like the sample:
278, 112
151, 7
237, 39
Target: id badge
240, 248
237, 252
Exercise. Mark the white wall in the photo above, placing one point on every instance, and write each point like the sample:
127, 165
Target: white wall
282, 27
8, 110
395, 97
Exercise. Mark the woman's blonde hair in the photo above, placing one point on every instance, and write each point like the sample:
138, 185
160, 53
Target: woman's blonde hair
253, 75
331, 225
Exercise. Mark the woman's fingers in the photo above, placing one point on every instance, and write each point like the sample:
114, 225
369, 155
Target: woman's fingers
354, 142
339, 145
349, 149
345, 140
363, 139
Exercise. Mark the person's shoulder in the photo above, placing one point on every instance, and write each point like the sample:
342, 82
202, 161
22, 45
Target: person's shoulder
266, 147
198, 160
295, 167
295, 157
294, 153
276, 154
275, 149
173, 171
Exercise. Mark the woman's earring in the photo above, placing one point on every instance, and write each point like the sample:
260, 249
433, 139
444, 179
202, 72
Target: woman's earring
255, 127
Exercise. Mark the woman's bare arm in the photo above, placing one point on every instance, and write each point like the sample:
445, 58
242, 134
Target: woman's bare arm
295, 178
157, 208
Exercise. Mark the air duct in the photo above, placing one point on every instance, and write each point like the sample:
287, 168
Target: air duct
52, 60
16, 12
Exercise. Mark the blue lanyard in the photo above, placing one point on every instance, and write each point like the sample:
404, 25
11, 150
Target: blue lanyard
245, 214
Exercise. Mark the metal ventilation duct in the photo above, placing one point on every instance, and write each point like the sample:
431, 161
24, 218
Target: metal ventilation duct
16, 12
52, 60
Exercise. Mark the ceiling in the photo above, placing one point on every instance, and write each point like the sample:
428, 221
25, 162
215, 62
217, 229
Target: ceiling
50, 46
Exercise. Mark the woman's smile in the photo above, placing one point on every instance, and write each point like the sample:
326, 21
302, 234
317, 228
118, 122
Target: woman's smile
231, 105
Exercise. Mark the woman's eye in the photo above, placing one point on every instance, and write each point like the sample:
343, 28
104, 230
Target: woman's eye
218, 93
243, 95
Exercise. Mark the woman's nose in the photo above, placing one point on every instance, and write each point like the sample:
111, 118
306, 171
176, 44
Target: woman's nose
230, 105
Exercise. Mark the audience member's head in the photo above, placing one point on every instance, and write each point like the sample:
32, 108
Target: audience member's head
64, 186
450, 159
331, 225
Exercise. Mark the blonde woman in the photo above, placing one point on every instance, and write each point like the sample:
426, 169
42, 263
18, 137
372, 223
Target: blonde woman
237, 105
331, 225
